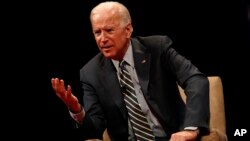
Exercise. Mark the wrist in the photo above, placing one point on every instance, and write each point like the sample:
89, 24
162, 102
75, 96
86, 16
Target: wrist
76, 110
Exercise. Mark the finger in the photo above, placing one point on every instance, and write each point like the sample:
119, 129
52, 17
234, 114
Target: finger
56, 82
53, 82
69, 93
61, 85
60, 88
69, 89
55, 86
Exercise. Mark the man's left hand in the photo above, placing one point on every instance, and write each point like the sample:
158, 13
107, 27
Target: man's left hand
184, 136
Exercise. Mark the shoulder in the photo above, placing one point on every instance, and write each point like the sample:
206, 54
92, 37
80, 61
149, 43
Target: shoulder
153, 44
153, 40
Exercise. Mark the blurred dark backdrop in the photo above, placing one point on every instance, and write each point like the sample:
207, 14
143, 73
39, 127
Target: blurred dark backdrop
212, 34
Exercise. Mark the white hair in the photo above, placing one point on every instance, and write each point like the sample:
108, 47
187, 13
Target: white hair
116, 7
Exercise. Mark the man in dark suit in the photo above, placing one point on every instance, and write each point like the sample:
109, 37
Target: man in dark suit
155, 68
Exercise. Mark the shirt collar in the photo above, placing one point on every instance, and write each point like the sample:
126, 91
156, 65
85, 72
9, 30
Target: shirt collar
128, 57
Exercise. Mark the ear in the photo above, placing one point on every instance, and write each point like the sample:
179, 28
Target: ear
129, 30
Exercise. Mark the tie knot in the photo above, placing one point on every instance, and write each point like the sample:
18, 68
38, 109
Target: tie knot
122, 64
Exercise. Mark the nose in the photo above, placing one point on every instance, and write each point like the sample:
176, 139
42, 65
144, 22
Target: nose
103, 37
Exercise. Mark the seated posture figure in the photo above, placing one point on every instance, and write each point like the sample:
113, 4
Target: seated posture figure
130, 87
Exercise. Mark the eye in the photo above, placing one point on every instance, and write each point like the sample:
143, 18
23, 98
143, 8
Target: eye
110, 30
97, 32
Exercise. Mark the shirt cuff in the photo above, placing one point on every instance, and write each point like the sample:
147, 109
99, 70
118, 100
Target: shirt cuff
192, 128
78, 117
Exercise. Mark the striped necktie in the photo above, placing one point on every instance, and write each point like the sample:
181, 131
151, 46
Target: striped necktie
139, 123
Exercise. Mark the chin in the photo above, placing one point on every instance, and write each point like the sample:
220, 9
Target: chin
108, 55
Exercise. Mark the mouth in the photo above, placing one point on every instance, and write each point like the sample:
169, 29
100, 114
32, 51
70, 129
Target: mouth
106, 48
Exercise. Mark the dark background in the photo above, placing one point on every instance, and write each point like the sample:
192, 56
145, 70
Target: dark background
212, 34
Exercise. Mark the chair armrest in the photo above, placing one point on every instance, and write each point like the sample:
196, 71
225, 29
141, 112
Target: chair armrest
214, 135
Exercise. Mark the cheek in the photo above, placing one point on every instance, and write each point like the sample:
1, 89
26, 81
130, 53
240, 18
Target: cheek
97, 42
98, 45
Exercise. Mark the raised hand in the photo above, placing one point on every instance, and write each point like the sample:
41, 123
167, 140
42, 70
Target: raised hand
65, 94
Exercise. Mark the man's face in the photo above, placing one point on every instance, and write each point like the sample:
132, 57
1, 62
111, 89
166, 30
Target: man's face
111, 36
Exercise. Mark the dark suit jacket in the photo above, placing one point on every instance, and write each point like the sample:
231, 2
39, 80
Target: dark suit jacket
158, 77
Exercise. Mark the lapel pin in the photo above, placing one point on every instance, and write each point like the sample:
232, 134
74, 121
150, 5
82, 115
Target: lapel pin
143, 61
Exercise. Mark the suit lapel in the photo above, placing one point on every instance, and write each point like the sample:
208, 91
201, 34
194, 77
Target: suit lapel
112, 87
142, 64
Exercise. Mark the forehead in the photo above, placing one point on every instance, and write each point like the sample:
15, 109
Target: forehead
105, 18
